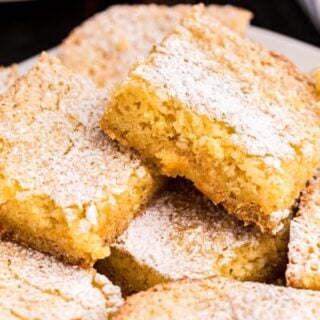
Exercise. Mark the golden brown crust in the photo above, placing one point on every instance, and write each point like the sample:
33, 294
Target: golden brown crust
105, 46
218, 298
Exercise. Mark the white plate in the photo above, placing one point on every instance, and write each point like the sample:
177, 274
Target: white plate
305, 56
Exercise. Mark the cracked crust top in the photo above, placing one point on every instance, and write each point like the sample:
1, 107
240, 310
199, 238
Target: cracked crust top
303, 269
36, 286
219, 298
51, 141
105, 46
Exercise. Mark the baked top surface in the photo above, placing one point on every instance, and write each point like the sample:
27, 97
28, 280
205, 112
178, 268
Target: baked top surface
219, 298
266, 103
36, 286
117, 37
303, 270
239, 121
183, 234
51, 141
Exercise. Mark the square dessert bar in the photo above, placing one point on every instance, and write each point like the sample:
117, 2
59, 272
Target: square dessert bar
183, 234
239, 121
34, 285
303, 269
65, 187
105, 46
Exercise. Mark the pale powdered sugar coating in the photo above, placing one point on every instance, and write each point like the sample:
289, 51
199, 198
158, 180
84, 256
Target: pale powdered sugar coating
51, 141
7, 77
36, 286
232, 80
303, 270
184, 234
106, 46
221, 299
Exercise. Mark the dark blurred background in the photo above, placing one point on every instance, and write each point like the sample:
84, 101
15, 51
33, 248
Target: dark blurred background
29, 27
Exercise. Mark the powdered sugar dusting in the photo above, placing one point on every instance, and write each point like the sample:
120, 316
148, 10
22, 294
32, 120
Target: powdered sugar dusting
52, 141
220, 298
106, 46
234, 81
36, 286
184, 234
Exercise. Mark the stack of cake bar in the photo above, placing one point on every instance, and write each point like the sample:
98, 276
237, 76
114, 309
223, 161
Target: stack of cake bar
163, 166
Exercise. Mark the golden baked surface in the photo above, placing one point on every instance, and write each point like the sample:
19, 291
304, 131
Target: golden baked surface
36, 286
239, 121
303, 270
219, 298
65, 187
106, 46
7, 76
182, 234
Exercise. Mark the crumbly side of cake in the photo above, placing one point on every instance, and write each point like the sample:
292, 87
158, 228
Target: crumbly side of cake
239, 121
105, 46
65, 187
220, 298
34, 285
7, 77
182, 234
303, 269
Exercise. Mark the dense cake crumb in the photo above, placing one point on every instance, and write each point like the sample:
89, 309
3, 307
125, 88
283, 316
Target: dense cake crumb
239, 121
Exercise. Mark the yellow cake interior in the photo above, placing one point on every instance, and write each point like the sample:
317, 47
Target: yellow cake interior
42, 224
183, 143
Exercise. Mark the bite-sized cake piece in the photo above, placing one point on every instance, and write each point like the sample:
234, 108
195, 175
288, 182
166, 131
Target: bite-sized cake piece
105, 46
65, 187
236, 119
36, 286
218, 298
182, 234
7, 76
303, 269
